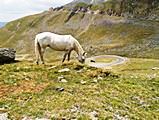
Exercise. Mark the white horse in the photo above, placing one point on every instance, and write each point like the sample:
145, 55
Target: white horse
57, 42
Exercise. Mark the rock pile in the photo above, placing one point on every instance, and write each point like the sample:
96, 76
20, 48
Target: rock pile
7, 55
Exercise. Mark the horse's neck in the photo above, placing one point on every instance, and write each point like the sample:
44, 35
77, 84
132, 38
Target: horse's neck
78, 48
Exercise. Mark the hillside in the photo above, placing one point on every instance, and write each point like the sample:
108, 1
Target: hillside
98, 33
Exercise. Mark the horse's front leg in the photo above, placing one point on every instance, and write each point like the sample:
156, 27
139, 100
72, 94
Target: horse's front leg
69, 54
64, 57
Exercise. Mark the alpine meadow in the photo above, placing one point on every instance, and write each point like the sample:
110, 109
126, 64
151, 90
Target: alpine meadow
113, 72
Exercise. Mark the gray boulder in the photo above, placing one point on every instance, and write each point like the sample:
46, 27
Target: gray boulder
7, 55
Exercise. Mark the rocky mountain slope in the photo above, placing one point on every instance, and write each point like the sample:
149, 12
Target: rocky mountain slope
98, 33
88, 1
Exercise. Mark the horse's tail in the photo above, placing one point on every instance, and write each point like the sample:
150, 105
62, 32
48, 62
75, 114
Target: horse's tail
37, 48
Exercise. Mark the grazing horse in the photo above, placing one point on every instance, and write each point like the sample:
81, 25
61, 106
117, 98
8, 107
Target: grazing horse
57, 42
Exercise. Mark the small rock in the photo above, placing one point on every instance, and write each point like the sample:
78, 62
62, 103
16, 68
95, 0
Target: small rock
79, 71
63, 81
3, 116
83, 82
95, 81
119, 117
155, 68
75, 109
100, 78
27, 118
52, 67
60, 78
64, 70
60, 89
93, 115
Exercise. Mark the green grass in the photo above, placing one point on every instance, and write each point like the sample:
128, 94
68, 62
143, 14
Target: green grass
105, 60
129, 90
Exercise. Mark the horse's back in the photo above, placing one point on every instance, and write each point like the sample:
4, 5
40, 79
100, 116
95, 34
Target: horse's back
55, 41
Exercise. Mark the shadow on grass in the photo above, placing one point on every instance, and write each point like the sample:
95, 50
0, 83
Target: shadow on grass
10, 62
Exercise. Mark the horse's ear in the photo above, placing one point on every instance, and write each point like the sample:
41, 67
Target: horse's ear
84, 54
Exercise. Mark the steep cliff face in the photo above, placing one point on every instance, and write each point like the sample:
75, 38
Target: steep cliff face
128, 8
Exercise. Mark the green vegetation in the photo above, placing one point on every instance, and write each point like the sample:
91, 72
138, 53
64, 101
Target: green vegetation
29, 90
81, 4
105, 60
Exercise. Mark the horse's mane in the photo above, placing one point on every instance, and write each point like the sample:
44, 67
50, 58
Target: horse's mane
79, 47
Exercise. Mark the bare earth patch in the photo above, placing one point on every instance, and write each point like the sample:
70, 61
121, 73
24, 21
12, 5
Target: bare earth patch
24, 87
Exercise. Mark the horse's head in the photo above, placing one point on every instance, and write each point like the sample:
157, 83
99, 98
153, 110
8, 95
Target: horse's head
82, 57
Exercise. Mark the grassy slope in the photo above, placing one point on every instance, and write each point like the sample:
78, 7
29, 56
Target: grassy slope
30, 91
113, 35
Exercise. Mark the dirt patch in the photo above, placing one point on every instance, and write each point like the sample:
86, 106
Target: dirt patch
23, 87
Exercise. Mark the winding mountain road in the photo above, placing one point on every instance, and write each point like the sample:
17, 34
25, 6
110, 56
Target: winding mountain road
118, 60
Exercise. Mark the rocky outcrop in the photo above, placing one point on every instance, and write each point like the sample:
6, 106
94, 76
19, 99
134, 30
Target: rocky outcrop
7, 55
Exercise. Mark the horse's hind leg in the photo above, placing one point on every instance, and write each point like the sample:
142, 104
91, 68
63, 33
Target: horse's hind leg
37, 59
42, 55
37, 53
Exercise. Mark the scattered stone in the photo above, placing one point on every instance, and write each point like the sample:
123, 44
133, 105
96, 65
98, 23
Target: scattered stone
60, 78
79, 71
95, 81
119, 117
4, 116
52, 67
63, 81
100, 78
60, 89
7, 55
83, 82
27, 118
152, 76
64, 70
93, 115
155, 68
75, 109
